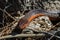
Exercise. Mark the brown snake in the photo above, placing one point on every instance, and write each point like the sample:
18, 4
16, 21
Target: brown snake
36, 13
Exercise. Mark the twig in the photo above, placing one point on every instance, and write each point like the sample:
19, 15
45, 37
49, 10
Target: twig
22, 35
7, 14
9, 27
6, 29
57, 24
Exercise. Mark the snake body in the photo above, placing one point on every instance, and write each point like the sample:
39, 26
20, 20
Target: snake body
36, 13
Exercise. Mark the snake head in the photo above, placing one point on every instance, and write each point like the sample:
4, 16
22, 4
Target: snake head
22, 23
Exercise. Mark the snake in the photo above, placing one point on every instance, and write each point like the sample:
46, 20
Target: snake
24, 22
